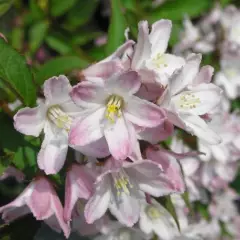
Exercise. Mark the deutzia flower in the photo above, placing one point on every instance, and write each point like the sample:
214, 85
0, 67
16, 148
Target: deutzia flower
54, 116
111, 110
189, 96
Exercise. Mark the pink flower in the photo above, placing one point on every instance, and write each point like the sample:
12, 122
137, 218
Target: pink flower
111, 109
121, 187
13, 172
150, 59
79, 185
41, 199
190, 95
54, 116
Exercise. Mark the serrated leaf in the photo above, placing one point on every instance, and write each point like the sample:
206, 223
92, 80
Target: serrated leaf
176, 9
59, 65
16, 74
116, 28
37, 34
5, 6
81, 13
58, 8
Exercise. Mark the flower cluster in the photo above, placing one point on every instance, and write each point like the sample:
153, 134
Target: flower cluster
115, 120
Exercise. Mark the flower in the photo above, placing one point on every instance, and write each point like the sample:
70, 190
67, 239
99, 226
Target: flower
150, 59
189, 96
54, 116
41, 199
121, 187
111, 109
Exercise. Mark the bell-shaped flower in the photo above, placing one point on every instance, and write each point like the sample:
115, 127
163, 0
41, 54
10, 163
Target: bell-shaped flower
121, 187
41, 199
150, 59
54, 117
79, 185
111, 109
154, 218
189, 96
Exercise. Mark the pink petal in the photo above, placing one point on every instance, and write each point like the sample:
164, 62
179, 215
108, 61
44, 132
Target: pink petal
125, 83
118, 138
143, 113
142, 49
103, 69
87, 94
78, 185
40, 201
56, 89
99, 202
52, 155
204, 76
30, 121
87, 130
157, 134
160, 35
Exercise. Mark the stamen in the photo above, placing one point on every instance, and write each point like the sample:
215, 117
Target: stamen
122, 183
153, 212
188, 101
160, 61
114, 105
59, 117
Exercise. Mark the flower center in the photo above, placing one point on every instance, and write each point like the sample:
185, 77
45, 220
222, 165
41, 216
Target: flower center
122, 183
188, 101
152, 212
160, 61
59, 118
230, 73
124, 234
114, 105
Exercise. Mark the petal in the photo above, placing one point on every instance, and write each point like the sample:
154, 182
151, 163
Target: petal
40, 201
126, 83
198, 127
126, 209
204, 76
118, 138
30, 121
103, 69
97, 149
187, 75
52, 155
199, 101
56, 89
88, 129
58, 210
99, 202
142, 49
157, 134
143, 113
160, 35
87, 94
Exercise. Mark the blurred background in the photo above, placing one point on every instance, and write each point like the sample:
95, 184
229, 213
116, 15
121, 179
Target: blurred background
62, 37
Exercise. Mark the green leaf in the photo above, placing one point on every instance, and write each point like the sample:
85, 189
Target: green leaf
81, 13
116, 28
59, 65
37, 34
225, 2
17, 38
167, 203
5, 6
176, 29
58, 44
15, 74
4, 163
176, 9
85, 37
58, 8
185, 197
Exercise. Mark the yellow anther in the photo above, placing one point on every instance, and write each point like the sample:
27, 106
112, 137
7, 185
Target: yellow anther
188, 101
122, 184
59, 118
153, 212
160, 61
114, 106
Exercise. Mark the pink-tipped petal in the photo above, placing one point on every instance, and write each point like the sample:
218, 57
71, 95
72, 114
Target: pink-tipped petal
204, 76
144, 113
30, 121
